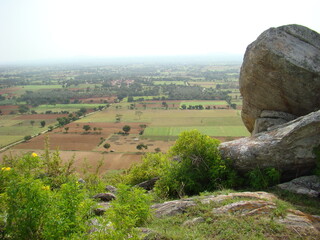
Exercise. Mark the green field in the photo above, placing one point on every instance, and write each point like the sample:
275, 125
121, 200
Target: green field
5, 140
12, 130
65, 107
204, 103
172, 122
217, 131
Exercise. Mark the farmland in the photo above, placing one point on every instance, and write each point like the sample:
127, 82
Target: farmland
79, 110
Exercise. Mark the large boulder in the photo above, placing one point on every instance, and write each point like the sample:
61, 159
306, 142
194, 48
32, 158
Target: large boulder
281, 72
288, 147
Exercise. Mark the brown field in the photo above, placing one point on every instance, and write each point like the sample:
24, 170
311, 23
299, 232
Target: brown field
72, 142
129, 143
40, 116
83, 159
9, 90
6, 109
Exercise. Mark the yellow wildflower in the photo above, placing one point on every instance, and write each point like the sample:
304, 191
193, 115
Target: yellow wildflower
6, 168
34, 155
46, 188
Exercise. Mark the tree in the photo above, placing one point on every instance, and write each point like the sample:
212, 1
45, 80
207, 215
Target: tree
138, 113
66, 129
50, 128
43, 123
118, 118
141, 146
157, 149
126, 129
26, 138
23, 109
86, 127
130, 99
107, 146
32, 122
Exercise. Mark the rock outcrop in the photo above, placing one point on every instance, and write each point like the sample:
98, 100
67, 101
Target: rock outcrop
281, 72
288, 147
269, 119
307, 185
260, 204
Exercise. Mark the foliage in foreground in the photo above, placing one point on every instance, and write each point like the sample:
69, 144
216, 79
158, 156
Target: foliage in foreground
41, 199
131, 209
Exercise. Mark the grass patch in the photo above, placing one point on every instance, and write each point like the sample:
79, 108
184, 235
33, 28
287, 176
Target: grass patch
204, 103
221, 131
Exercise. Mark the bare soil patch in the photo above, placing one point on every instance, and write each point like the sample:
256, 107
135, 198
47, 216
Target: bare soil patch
61, 141
129, 143
6, 109
87, 160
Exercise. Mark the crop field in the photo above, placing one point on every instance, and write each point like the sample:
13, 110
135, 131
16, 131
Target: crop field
65, 107
15, 127
219, 131
88, 160
204, 103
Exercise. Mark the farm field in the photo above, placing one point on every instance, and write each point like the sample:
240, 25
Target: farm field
65, 107
147, 98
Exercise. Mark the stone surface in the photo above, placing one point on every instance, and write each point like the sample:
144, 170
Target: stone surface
307, 185
281, 72
105, 197
180, 206
193, 221
288, 147
101, 208
149, 184
263, 124
269, 119
260, 204
111, 189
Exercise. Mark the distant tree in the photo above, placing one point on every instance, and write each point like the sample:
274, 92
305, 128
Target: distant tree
157, 149
66, 129
183, 106
83, 110
32, 122
50, 128
126, 129
130, 99
23, 109
26, 138
138, 113
86, 127
107, 146
141, 146
118, 117
43, 123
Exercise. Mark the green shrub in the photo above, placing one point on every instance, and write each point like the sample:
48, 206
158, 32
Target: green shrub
30, 208
153, 165
130, 209
263, 178
197, 167
27, 203
69, 209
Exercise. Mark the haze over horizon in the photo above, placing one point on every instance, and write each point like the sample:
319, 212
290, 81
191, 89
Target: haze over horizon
37, 30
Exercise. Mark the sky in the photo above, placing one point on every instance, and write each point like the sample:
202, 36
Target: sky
62, 29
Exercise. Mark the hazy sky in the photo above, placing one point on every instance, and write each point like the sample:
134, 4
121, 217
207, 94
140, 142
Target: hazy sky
51, 29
